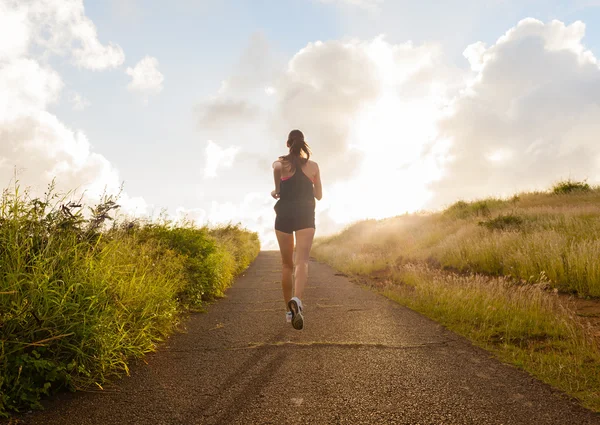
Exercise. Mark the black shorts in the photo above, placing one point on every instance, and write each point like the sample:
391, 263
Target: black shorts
289, 220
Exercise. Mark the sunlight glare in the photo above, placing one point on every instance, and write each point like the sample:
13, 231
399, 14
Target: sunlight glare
392, 135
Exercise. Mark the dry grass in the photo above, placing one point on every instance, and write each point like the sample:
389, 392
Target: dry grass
528, 236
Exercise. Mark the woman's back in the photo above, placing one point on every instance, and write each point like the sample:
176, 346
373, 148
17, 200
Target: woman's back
297, 185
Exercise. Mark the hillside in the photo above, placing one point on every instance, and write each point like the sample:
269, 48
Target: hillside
518, 276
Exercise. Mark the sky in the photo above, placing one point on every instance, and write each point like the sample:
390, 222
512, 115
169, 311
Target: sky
407, 106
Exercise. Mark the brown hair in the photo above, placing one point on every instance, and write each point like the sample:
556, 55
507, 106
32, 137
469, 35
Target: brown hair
299, 150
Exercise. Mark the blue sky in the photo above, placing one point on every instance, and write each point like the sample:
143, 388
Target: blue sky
199, 43
198, 46
256, 69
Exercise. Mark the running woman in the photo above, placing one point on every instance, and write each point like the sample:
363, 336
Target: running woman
297, 184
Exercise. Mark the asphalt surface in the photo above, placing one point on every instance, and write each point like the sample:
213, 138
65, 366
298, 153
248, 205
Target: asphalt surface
361, 359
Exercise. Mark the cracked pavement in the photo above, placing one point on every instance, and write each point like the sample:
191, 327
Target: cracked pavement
361, 359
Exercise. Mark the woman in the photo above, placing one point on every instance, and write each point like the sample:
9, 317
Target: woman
297, 184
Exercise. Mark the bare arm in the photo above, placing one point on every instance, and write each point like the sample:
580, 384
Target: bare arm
277, 178
317, 186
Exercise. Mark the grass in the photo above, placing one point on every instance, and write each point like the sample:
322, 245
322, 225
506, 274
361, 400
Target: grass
503, 223
492, 270
557, 235
522, 324
82, 295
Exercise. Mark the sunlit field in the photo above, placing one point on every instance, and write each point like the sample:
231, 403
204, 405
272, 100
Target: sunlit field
496, 271
81, 294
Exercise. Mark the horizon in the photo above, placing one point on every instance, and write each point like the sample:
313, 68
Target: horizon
406, 107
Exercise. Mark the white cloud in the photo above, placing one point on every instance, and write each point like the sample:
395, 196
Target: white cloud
14, 32
322, 91
27, 87
366, 106
217, 157
146, 79
34, 141
530, 115
61, 27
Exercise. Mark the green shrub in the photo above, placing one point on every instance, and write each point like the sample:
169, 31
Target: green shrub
79, 297
197, 248
242, 244
570, 186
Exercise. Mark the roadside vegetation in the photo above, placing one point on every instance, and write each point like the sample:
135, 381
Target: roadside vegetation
496, 271
82, 294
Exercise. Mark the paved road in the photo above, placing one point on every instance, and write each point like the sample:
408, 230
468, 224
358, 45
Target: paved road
361, 359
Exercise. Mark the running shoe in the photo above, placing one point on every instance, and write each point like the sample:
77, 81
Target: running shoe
295, 306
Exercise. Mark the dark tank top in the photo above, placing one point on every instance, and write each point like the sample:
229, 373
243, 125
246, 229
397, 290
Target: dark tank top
296, 193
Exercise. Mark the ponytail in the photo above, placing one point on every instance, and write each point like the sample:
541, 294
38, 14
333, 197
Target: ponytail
299, 150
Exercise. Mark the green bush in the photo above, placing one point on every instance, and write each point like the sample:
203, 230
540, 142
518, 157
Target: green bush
570, 186
242, 244
198, 250
81, 296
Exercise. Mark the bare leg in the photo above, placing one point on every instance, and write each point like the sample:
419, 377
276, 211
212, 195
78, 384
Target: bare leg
304, 240
286, 246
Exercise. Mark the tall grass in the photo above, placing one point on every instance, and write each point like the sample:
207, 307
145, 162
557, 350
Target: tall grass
81, 295
522, 324
550, 234
484, 269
